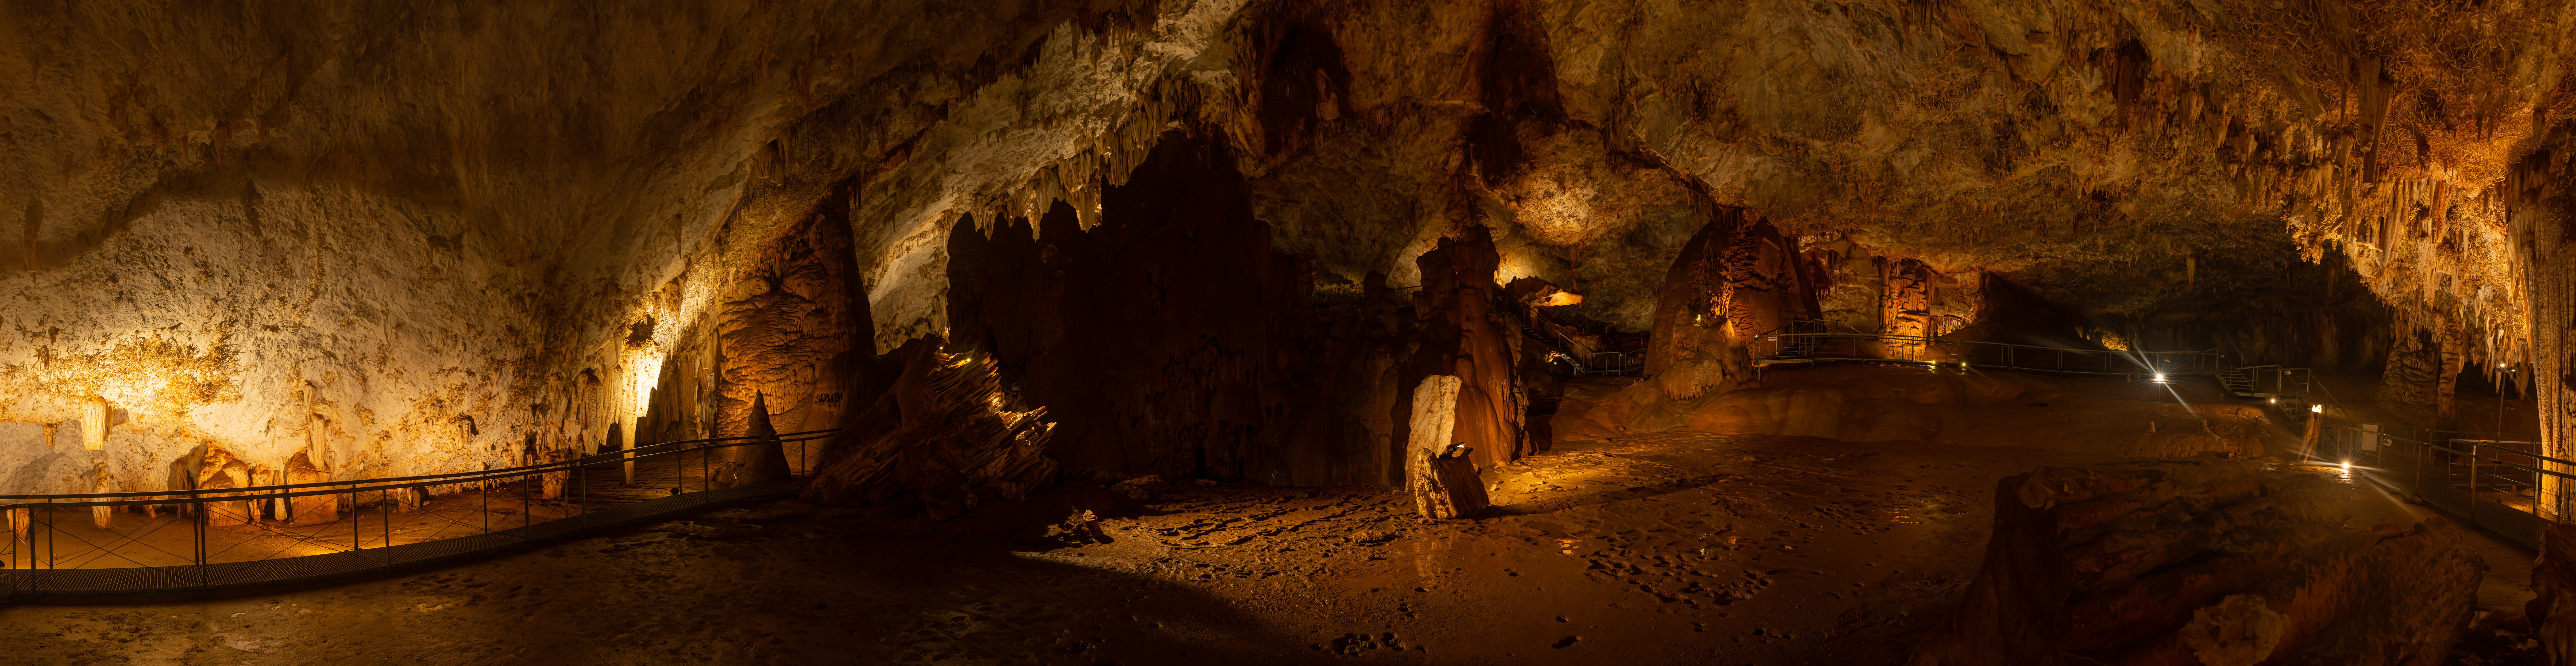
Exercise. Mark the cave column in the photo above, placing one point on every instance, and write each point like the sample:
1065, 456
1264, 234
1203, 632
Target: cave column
2454, 357
1905, 306
2538, 212
2553, 286
2412, 378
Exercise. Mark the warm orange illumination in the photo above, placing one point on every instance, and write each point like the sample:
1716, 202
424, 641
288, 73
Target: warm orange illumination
1561, 298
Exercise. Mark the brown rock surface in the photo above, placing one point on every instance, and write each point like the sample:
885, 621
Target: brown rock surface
2204, 561
2552, 611
959, 441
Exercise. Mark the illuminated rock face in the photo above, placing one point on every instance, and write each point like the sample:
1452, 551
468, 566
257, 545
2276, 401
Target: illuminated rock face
410, 242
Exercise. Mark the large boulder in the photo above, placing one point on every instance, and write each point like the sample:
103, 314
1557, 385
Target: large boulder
2552, 610
2203, 561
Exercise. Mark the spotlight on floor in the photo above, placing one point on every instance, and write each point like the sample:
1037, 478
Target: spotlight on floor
2347, 465
2321, 409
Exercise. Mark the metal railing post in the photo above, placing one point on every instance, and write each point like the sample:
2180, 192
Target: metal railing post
198, 522
2473, 483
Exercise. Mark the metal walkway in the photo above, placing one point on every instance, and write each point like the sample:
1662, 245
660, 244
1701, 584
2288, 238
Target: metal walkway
2493, 480
661, 477
1771, 349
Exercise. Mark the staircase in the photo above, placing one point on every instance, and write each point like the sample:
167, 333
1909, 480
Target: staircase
2286, 389
2237, 383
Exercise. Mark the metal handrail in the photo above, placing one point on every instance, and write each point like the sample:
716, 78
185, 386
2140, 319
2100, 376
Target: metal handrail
449, 479
568, 494
2167, 362
2524, 477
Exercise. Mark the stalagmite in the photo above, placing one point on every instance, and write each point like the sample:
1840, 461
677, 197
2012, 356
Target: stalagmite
310, 509
1465, 336
101, 515
219, 469
1440, 476
765, 461
94, 424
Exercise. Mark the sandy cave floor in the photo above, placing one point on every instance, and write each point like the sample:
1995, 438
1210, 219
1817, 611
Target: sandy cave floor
1684, 549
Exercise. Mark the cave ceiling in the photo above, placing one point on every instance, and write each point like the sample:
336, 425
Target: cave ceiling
411, 213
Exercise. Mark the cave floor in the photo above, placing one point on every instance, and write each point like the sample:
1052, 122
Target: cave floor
1650, 549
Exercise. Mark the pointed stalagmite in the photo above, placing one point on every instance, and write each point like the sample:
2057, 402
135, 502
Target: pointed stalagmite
219, 469
310, 509
763, 462
101, 515
94, 424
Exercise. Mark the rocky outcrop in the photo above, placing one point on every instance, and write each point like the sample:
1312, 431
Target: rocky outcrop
217, 468
2206, 562
956, 440
1736, 279
2551, 612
